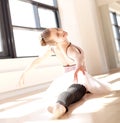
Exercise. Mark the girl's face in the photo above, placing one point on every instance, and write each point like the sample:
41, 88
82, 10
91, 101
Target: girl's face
57, 35
52, 36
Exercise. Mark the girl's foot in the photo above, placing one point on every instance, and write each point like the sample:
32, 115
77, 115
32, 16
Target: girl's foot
58, 110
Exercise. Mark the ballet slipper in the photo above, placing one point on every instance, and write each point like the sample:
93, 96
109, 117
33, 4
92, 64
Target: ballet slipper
58, 110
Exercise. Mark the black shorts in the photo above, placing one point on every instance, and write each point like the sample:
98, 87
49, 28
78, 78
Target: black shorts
73, 94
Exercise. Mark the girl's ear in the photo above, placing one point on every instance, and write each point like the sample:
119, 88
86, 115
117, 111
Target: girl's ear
42, 42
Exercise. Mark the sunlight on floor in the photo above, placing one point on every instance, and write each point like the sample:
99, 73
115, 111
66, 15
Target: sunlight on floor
32, 109
20, 107
114, 79
109, 77
23, 107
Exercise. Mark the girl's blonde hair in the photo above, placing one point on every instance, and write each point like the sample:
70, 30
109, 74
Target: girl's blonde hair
44, 37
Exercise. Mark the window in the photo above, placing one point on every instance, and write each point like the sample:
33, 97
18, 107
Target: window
115, 20
22, 14
44, 19
27, 19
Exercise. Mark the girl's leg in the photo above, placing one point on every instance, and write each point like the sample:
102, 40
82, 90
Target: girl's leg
73, 94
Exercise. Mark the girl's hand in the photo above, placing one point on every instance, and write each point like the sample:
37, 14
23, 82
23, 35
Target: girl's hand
75, 81
82, 69
76, 74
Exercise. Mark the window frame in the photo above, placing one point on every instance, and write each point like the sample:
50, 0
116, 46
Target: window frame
7, 31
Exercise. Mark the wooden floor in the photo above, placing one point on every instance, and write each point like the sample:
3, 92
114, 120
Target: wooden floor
91, 109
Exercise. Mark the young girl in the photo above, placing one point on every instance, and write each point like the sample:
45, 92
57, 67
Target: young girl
74, 87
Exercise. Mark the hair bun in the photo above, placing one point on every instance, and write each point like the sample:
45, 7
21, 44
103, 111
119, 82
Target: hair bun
43, 43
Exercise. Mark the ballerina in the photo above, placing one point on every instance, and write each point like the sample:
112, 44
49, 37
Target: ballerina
75, 82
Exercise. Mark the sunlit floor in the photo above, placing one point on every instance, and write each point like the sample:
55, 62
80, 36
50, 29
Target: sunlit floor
91, 109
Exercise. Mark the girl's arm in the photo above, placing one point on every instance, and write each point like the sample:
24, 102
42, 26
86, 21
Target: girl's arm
36, 62
77, 55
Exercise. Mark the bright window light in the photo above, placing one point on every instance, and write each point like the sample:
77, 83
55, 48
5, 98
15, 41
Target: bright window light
22, 13
1, 46
27, 43
47, 18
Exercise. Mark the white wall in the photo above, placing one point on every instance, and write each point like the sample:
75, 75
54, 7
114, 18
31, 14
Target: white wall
109, 43
80, 19
88, 24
